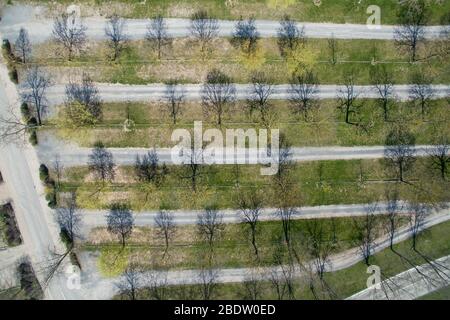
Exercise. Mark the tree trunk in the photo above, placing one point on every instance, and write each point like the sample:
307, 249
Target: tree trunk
254, 243
347, 114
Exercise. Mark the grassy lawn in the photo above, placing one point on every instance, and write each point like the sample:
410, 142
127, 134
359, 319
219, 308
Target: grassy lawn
313, 183
139, 64
441, 294
233, 249
339, 11
153, 126
434, 243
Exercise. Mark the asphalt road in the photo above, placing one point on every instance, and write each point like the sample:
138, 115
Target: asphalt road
155, 92
71, 155
20, 170
97, 218
40, 27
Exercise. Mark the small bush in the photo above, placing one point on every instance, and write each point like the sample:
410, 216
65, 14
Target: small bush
29, 282
33, 138
51, 200
6, 46
13, 75
43, 173
25, 110
8, 219
32, 122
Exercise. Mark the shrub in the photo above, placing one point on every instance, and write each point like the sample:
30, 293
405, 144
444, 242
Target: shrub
8, 219
43, 173
6, 46
13, 75
51, 199
25, 110
32, 122
33, 138
29, 282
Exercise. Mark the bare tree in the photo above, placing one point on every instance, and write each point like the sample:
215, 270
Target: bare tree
14, 129
252, 285
36, 85
69, 219
288, 273
157, 34
69, 33
120, 221
22, 46
58, 167
156, 284
174, 98
303, 89
262, 89
347, 97
286, 214
203, 28
333, 48
365, 232
382, 80
193, 167
165, 227
209, 225
101, 163
318, 245
250, 205
218, 92
418, 213
290, 37
245, 36
208, 282
276, 281
420, 92
440, 157
413, 16
392, 217
399, 150
149, 170
115, 33
285, 163
130, 282
86, 94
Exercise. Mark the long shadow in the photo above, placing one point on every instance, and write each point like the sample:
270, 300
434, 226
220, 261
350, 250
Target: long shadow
436, 266
413, 265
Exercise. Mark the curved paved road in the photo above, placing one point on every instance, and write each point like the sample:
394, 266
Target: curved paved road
40, 29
